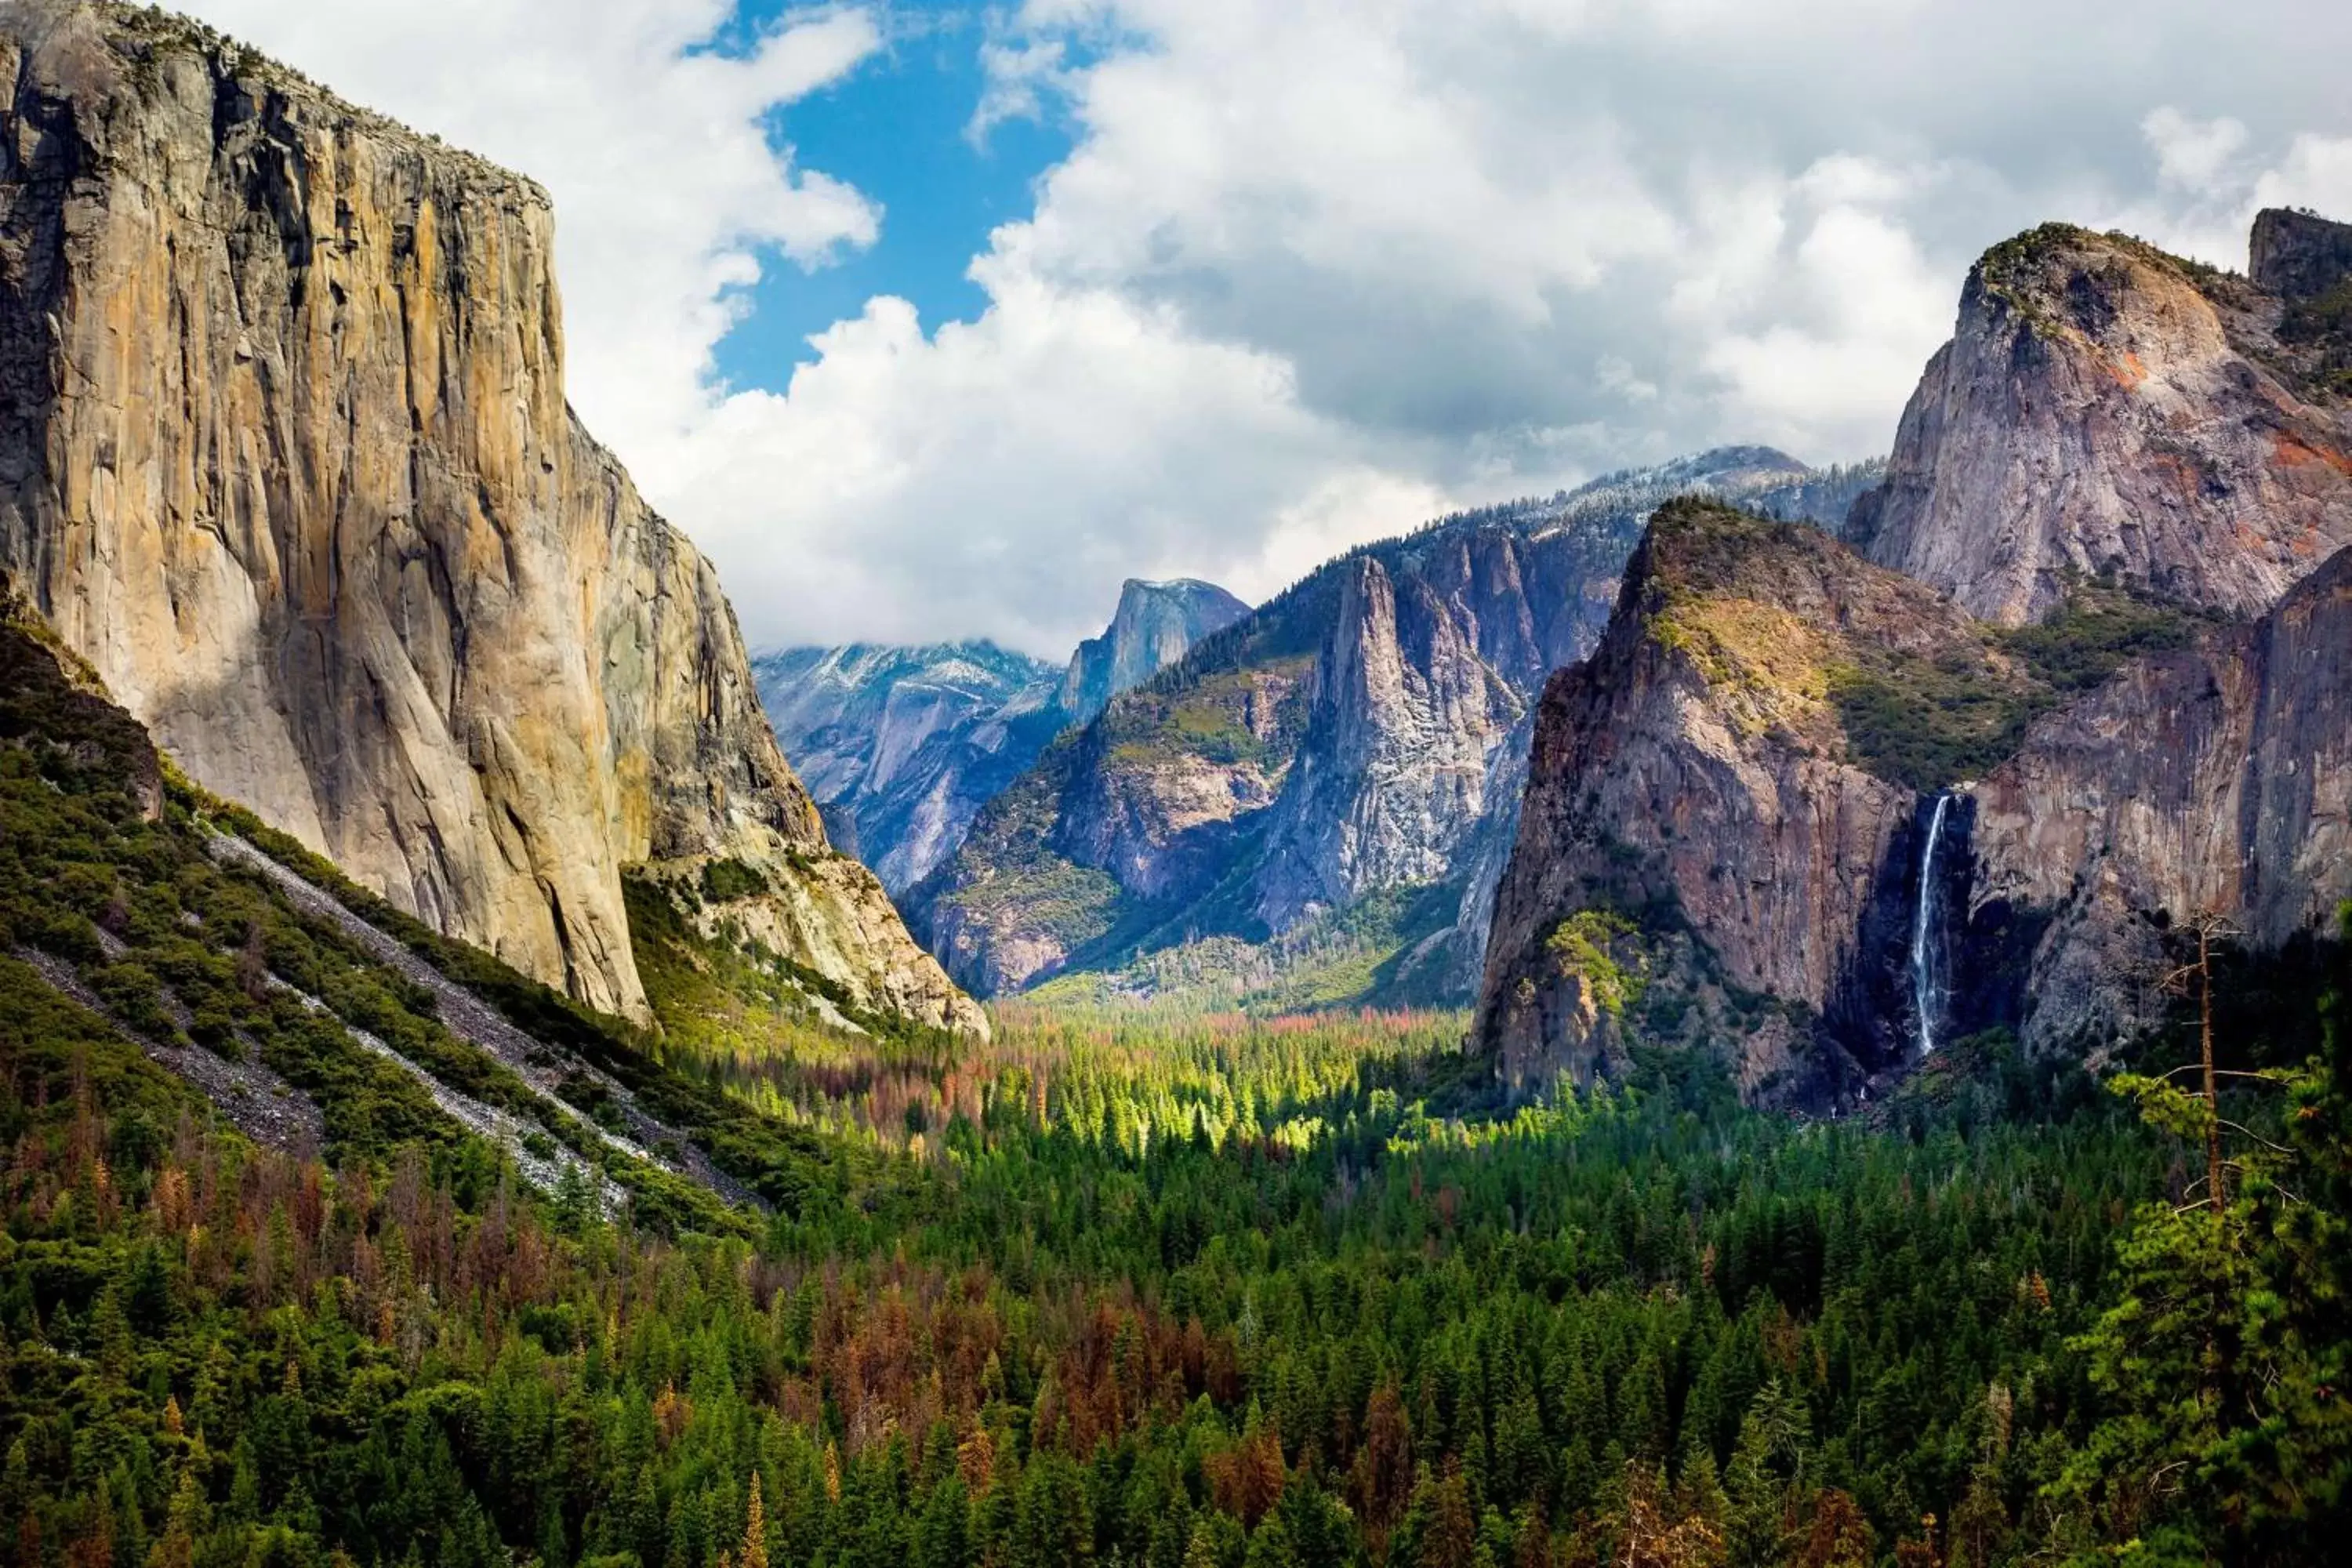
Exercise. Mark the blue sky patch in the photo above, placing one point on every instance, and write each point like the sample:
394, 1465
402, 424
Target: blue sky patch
894, 129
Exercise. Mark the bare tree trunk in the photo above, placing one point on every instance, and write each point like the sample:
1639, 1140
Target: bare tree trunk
2215, 1192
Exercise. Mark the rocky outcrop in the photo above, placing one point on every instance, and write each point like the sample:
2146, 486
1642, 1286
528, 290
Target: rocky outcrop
902, 746
1406, 715
1718, 841
2214, 780
285, 454
2298, 256
1749, 821
2104, 410
1156, 624
1326, 782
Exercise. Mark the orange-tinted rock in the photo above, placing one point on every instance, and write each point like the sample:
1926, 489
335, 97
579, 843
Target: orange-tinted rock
2104, 409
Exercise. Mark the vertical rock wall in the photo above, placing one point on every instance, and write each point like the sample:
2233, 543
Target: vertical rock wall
284, 452
2215, 780
2104, 409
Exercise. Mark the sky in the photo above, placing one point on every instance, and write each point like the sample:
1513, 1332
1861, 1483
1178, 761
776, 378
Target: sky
930, 320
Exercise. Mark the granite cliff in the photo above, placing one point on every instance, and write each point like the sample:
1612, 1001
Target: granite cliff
2215, 779
2301, 258
285, 454
2106, 410
1155, 625
1754, 821
1721, 806
1309, 808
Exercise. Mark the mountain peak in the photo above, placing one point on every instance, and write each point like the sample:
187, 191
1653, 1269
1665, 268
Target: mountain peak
899, 745
902, 746
2298, 255
1716, 463
1150, 587
1156, 624
2104, 410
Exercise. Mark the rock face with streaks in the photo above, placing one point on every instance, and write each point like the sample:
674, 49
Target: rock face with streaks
1309, 809
2215, 779
285, 454
1713, 848
2104, 410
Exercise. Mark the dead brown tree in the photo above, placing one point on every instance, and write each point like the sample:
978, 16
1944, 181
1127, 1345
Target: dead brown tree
2209, 927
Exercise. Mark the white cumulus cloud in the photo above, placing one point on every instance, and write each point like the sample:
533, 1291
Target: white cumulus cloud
1313, 270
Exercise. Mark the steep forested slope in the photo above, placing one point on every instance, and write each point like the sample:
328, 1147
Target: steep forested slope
312, 1015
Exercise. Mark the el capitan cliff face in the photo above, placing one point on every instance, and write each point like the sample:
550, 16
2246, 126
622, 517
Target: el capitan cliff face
285, 454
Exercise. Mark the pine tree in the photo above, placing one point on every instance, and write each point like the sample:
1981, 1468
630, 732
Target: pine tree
754, 1552
1837, 1534
1765, 1466
1217, 1542
1270, 1547
943, 1535
2225, 1358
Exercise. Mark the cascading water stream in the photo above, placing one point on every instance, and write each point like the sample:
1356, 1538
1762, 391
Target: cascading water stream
1926, 1000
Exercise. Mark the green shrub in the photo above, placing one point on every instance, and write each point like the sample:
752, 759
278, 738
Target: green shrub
725, 880
1928, 724
1925, 724
2099, 629
1581, 945
136, 997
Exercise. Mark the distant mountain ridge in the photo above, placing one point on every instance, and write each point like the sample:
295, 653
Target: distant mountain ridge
901, 746
1314, 803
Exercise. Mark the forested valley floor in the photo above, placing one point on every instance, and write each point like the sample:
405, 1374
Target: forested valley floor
1119, 1287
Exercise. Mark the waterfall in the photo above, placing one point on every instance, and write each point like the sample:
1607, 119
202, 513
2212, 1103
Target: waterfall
1926, 996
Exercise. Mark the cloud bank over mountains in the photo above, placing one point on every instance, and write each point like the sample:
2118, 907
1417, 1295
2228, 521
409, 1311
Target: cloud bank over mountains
1314, 271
